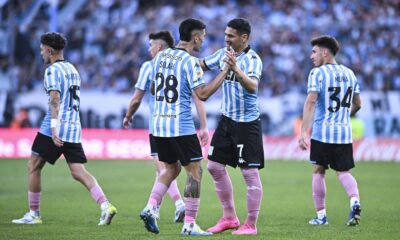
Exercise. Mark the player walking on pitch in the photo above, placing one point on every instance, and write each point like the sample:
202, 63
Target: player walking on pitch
177, 74
333, 96
60, 132
158, 42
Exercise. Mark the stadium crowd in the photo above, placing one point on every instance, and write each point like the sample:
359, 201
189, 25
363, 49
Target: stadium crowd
108, 39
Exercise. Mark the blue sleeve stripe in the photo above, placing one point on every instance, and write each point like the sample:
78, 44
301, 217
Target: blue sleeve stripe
144, 75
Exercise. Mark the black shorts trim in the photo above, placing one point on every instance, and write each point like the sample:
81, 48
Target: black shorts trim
44, 147
339, 157
238, 144
186, 149
153, 146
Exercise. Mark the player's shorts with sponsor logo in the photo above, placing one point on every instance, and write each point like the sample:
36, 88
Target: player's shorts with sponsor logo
237, 144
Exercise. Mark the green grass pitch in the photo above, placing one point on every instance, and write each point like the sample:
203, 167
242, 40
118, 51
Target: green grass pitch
68, 212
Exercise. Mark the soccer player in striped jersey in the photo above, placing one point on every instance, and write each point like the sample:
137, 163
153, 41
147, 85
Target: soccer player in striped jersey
237, 141
333, 96
60, 132
176, 75
158, 42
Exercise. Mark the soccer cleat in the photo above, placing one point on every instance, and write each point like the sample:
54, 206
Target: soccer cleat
194, 230
224, 224
246, 229
319, 221
179, 214
108, 211
150, 220
28, 218
355, 215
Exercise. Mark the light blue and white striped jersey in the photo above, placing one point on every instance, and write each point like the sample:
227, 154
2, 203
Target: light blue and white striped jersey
237, 103
144, 84
336, 85
175, 73
62, 76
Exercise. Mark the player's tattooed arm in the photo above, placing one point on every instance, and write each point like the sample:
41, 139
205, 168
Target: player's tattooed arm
54, 104
54, 110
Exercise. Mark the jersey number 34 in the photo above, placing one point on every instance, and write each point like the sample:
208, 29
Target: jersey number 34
345, 102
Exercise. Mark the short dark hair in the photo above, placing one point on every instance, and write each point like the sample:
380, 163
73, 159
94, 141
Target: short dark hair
326, 41
166, 36
54, 39
189, 25
241, 25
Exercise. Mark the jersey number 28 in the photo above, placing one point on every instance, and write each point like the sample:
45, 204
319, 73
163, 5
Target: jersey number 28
168, 85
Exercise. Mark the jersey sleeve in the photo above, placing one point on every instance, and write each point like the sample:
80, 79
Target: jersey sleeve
194, 73
253, 66
52, 79
212, 62
144, 77
314, 82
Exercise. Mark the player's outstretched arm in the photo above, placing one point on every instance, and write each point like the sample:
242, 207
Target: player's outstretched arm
308, 115
201, 112
205, 91
203, 65
133, 107
54, 110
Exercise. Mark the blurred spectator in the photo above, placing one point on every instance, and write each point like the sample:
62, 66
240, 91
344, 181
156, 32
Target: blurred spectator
21, 119
108, 39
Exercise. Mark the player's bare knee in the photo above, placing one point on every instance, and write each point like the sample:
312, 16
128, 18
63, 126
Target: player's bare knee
75, 175
35, 164
78, 174
319, 169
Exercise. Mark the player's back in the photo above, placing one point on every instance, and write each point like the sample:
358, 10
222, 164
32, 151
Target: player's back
175, 73
337, 85
62, 76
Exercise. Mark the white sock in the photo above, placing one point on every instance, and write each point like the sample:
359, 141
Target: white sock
152, 208
179, 203
34, 213
353, 200
104, 205
321, 214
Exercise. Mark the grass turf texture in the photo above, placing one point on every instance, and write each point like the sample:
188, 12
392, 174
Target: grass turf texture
68, 212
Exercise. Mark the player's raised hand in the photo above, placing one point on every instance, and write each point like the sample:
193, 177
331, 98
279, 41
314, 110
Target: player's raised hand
56, 140
230, 58
126, 122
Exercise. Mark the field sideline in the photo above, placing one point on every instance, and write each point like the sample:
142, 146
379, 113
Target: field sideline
68, 212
